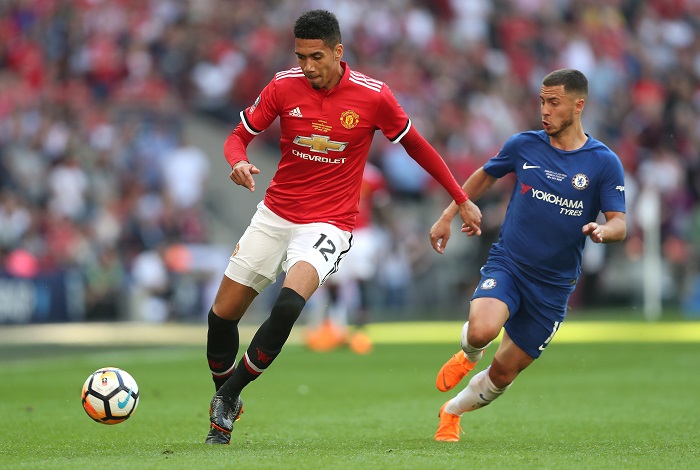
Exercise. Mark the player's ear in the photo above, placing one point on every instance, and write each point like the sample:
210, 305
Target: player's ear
338, 52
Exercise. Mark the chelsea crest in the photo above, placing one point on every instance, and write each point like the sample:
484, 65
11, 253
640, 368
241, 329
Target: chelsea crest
580, 181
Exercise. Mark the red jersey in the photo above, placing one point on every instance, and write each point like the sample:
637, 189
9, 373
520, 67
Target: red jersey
325, 139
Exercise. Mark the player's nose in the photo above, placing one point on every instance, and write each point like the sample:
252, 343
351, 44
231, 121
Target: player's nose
308, 67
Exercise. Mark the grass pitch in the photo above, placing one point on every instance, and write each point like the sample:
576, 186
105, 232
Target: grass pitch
584, 404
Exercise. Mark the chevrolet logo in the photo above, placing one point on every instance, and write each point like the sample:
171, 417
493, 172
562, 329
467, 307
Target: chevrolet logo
320, 143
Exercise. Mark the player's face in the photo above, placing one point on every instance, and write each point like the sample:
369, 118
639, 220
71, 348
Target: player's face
558, 110
320, 63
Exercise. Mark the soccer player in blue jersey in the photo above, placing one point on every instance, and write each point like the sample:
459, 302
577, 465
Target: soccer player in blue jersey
565, 179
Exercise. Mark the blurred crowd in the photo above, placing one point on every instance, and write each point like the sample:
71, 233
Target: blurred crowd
96, 173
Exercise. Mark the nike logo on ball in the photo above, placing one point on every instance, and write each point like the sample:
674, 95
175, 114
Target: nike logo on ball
529, 167
122, 404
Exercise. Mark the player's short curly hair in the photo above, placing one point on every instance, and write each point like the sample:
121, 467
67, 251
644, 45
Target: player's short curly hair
574, 81
318, 24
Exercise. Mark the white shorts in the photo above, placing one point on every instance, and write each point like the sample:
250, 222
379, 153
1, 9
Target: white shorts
272, 244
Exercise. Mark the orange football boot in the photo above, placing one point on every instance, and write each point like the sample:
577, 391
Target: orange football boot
326, 337
449, 429
454, 371
360, 343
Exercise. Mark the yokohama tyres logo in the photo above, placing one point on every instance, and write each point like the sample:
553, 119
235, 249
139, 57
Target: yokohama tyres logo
569, 207
556, 200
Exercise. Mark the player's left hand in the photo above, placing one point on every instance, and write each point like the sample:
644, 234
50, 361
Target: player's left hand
594, 231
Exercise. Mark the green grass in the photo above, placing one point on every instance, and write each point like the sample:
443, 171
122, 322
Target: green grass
582, 405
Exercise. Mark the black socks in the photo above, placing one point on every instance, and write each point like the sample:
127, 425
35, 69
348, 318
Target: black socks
222, 347
267, 342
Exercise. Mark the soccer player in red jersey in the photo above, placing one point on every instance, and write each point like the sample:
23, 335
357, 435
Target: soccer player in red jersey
328, 115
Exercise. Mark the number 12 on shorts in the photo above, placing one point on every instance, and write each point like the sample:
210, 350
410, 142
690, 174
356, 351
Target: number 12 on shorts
328, 248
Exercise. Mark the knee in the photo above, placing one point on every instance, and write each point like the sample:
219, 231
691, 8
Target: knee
224, 311
287, 307
486, 319
479, 334
233, 299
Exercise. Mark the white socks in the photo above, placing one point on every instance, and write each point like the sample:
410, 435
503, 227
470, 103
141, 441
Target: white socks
479, 392
473, 354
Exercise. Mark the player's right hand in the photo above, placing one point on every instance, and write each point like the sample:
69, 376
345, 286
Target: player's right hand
242, 174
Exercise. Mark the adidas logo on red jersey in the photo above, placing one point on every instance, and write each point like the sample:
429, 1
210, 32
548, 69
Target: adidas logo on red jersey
295, 112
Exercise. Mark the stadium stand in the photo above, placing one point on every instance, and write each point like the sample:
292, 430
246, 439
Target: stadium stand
99, 99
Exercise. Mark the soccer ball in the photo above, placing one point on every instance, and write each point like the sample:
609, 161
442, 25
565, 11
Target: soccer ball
110, 395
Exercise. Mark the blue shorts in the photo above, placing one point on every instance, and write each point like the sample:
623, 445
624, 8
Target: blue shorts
536, 309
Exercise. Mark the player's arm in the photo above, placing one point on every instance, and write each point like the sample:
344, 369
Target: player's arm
612, 199
476, 185
242, 170
422, 152
613, 230
392, 118
254, 120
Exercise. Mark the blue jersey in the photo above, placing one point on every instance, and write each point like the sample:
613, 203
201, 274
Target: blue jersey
556, 194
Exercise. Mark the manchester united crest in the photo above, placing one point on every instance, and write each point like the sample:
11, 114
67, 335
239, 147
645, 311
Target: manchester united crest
349, 119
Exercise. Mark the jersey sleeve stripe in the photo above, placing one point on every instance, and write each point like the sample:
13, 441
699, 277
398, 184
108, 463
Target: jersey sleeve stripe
247, 125
400, 135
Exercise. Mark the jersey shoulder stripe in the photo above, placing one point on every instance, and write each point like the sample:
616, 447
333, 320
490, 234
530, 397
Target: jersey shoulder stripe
365, 81
365, 78
291, 73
